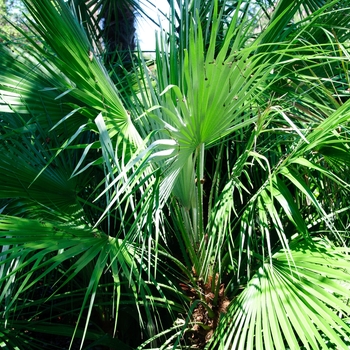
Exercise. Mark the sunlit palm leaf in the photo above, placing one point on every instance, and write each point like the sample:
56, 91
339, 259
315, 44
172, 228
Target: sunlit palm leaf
34, 250
290, 306
89, 81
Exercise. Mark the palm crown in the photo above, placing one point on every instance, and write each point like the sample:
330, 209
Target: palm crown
198, 200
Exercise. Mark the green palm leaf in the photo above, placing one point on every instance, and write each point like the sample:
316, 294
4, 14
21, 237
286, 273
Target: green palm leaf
296, 301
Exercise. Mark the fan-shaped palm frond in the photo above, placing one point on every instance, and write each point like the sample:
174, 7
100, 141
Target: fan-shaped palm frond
291, 302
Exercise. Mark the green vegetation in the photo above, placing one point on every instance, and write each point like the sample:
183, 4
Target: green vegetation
199, 200
11, 15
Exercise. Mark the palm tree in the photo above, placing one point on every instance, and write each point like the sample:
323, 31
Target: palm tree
199, 201
111, 26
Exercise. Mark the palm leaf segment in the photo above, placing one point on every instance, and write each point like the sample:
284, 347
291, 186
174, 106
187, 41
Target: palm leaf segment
287, 302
